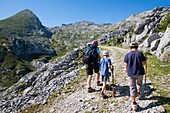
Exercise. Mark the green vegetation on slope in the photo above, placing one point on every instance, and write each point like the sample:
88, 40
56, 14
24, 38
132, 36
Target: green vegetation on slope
115, 41
11, 67
71, 37
21, 24
164, 24
158, 72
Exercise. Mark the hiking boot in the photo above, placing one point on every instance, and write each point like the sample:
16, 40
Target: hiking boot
134, 106
98, 83
90, 90
104, 95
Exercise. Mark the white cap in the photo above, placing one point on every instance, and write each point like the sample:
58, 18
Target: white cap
104, 53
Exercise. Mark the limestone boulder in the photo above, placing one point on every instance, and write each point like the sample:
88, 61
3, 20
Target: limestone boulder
164, 46
140, 27
154, 44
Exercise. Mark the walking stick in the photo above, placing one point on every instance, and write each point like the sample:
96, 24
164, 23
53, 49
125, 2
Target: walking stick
113, 93
145, 79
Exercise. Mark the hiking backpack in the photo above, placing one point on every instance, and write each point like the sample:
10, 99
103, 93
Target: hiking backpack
90, 54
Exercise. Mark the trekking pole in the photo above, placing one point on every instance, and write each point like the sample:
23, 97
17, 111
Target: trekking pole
113, 93
145, 80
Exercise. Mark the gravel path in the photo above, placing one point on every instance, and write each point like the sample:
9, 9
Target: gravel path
80, 101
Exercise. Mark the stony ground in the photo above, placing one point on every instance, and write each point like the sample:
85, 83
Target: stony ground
79, 101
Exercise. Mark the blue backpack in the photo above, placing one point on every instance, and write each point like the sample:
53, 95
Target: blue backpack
90, 54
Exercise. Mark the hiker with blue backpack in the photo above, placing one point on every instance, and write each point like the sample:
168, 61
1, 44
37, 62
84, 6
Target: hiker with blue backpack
91, 59
135, 61
105, 65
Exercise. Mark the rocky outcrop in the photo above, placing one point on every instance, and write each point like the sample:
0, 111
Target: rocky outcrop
140, 27
29, 50
145, 33
163, 50
37, 86
155, 44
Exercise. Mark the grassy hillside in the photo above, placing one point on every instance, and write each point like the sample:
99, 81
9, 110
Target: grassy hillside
158, 73
11, 68
164, 24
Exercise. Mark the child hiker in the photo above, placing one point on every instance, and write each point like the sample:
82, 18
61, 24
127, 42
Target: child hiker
134, 67
105, 65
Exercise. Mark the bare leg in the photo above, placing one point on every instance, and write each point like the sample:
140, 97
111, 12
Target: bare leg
104, 87
133, 99
89, 80
97, 76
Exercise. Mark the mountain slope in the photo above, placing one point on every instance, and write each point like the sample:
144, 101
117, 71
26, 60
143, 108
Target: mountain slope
24, 24
38, 89
23, 38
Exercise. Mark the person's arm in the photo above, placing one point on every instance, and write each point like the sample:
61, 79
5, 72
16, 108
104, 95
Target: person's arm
126, 62
143, 59
126, 67
99, 57
110, 65
98, 52
144, 62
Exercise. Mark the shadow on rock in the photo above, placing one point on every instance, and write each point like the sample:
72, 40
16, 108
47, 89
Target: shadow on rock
159, 101
121, 91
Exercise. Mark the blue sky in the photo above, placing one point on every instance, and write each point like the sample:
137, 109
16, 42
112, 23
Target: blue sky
56, 12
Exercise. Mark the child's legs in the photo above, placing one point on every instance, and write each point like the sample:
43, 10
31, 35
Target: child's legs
104, 87
105, 79
139, 82
132, 86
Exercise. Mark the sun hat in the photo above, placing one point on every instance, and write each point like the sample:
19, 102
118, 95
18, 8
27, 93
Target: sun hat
105, 53
133, 44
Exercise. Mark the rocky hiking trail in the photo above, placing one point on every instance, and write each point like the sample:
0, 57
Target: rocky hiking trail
75, 99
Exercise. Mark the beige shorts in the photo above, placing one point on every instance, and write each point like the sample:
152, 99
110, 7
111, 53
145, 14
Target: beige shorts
135, 84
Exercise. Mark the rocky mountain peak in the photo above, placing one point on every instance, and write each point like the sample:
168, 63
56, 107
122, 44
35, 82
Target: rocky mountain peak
28, 19
26, 14
25, 23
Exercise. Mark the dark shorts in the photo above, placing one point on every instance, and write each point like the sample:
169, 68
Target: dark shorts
91, 67
105, 79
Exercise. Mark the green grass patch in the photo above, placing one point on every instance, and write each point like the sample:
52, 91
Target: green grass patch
157, 69
9, 67
116, 41
164, 24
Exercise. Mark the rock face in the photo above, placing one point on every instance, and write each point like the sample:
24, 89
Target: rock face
36, 87
22, 37
163, 50
146, 35
28, 50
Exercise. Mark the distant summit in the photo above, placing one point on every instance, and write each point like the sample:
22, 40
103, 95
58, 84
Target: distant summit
23, 24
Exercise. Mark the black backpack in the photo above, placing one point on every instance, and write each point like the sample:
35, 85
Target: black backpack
90, 54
